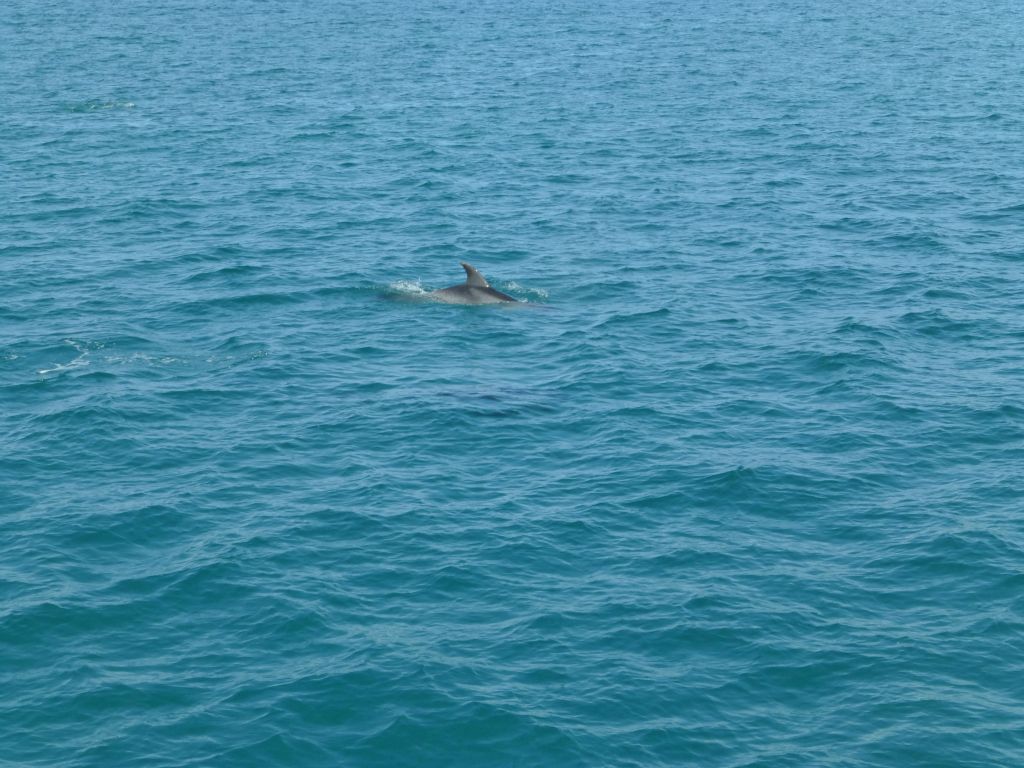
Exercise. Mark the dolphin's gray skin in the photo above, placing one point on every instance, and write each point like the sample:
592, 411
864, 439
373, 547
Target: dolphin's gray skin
474, 291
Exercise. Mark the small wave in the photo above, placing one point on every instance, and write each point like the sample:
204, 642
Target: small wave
524, 293
910, 241
223, 272
312, 136
938, 323
635, 317
851, 327
403, 290
80, 361
244, 300
411, 287
93, 105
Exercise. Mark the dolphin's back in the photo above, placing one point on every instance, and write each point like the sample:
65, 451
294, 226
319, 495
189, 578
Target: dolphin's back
496, 294
475, 290
470, 294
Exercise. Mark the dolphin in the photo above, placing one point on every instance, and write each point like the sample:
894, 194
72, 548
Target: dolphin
475, 290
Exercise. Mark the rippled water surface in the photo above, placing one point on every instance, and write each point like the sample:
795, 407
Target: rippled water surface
737, 483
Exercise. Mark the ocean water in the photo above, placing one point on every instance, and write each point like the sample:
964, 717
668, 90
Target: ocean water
739, 482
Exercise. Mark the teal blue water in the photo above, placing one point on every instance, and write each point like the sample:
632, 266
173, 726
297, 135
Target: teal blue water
739, 482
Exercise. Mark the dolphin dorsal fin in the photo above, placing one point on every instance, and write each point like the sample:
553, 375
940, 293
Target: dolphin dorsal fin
474, 278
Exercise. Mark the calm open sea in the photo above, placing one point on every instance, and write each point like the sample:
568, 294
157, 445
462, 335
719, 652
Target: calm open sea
739, 483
